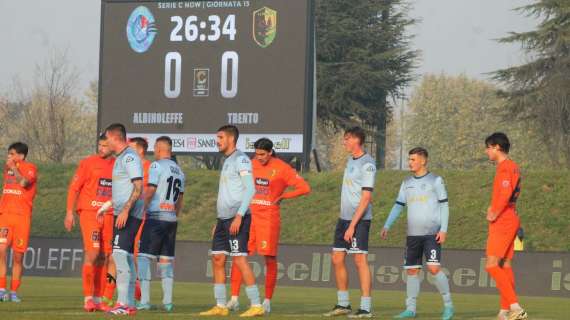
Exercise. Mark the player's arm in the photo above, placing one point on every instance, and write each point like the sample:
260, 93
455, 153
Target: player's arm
153, 179
245, 169
502, 192
397, 209
443, 210
299, 185
180, 200
135, 173
75, 186
369, 176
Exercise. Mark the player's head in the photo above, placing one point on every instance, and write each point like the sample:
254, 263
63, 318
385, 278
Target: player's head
354, 139
116, 136
17, 151
417, 159
263, 150
163, 148
103, 149
227, 138
496, 145
140, 145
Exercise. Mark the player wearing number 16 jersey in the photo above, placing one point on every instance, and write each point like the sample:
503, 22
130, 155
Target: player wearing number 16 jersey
272, 176
425, 196
163, 201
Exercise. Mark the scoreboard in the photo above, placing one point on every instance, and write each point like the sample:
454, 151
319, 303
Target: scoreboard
185, 68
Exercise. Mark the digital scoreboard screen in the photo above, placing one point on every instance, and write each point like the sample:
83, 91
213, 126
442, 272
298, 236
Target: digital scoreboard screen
185, 68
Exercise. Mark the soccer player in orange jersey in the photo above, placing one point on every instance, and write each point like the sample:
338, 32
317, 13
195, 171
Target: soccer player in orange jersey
272, 176
503, 225
16, 215
140, 145
90, 188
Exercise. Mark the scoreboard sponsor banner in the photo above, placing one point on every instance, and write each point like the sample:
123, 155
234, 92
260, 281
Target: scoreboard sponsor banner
185, 68
538, 273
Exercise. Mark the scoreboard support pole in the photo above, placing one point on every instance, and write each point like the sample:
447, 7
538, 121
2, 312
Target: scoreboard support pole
311, 90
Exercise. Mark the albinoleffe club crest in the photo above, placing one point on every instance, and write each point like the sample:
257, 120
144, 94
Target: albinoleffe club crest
264, 26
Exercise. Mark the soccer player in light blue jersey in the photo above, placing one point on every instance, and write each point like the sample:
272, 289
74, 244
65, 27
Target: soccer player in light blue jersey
353, 226
425, 196
128, 208
163, 202
231, 232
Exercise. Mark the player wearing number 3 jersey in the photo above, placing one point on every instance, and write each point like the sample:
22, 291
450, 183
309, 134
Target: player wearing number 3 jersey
425, 196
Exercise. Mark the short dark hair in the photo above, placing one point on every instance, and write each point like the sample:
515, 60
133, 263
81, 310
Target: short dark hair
140, 141
231, 130
263, 144
119, 129
102, 137
356, 132
20, 148
165, 139
499, 139
419, 151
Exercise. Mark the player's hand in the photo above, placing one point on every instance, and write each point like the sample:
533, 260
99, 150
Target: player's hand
440, 237
121, 220
491, 216
11, 164
349, 234
384, 233
234, 227
69, 222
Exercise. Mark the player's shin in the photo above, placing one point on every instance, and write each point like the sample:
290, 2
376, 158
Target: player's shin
88, 276
132, 280
167, 277
442, 284
270, 277
123, 276
412, 291
145, 276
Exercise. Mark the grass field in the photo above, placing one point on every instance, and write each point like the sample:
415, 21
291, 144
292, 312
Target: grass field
543, 207
60, 298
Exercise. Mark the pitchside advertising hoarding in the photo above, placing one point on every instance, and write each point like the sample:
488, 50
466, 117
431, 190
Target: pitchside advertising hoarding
184, 68
538, 273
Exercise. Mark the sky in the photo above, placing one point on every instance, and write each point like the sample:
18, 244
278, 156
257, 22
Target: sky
454, 36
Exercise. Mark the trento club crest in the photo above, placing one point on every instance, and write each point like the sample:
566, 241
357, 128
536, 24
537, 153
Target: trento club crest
141, 29
264, 26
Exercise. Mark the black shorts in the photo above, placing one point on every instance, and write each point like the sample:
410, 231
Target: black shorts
359, 243
158, 239
124, 239
419, 246
232, 245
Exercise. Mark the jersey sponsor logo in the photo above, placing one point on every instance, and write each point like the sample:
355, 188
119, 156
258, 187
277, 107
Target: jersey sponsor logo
167, 207
264, 26
371, 169
141, 29
13, 191
104, 182
97, 204
262, 182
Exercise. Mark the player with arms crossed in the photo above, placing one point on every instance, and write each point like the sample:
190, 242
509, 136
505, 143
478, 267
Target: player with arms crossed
89, 189
231, 232
353, 226
128, 208
16, 215
504, 223
272, 177
163, 202
425, 196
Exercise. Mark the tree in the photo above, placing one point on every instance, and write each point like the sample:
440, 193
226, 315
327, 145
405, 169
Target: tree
363, 59
49, 117
452, 115
538, 92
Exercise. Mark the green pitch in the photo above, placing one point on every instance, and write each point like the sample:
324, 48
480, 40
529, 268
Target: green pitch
60, 298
